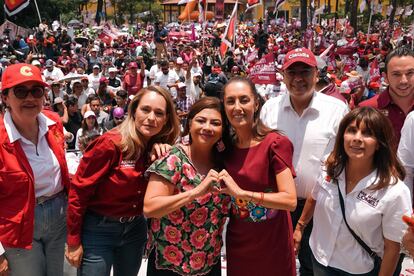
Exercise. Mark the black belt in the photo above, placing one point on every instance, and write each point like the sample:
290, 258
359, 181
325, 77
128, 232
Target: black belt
114, 219
43, 199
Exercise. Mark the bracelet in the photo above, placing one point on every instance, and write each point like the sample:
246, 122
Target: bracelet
301, 225
261, 199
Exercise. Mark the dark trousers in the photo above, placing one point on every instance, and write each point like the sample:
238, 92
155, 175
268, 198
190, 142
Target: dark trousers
305, 253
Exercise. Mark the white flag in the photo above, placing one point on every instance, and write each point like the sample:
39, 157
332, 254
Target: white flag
319, 10
379, 8
389, 10
408, 11
399, 11
279, 3
182, 2
362, 6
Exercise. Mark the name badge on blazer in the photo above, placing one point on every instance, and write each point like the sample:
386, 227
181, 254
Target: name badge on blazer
367, 198
126, 164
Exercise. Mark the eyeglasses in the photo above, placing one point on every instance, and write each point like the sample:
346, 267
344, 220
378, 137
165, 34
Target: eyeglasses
21, 92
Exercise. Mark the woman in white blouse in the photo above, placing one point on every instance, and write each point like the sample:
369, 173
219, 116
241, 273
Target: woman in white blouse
367, 173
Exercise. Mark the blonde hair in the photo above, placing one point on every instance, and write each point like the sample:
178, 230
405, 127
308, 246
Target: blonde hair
132, 143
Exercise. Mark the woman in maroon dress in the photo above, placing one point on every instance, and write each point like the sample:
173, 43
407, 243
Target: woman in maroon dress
259, 178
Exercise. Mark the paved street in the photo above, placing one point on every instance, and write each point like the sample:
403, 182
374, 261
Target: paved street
407, 270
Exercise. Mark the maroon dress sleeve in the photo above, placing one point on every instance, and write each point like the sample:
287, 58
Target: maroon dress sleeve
281, 153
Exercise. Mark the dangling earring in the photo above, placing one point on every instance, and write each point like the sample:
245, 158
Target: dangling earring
220, 146
186, 140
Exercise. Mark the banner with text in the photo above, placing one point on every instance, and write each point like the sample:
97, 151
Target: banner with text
264, 71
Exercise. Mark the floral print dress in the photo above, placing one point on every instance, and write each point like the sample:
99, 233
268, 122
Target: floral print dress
187, 241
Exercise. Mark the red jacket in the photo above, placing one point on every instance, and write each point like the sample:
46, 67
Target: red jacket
133, 84
105, 183
17, 196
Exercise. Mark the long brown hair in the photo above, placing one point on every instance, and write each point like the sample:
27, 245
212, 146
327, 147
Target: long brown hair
385, 159
258, 128
132, 143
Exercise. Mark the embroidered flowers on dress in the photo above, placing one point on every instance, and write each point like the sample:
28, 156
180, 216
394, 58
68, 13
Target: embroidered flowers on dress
188, 241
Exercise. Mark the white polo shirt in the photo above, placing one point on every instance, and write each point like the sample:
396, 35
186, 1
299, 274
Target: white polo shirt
162, 80
55, 74
406, 150
42, 160
372, 214
312, 134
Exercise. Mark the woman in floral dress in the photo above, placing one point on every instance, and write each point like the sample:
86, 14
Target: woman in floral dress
182, 198
259, 178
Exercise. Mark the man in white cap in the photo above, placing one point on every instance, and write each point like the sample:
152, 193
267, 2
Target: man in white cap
183, 102
310, 120
114, 83
52, 73
93, 58
178, 68
94, 77
193, 83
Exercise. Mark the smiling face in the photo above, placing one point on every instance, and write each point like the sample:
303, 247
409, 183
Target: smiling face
360, 143
24, 109
151, 114
300, 79
240, 104
400, 76
206, 127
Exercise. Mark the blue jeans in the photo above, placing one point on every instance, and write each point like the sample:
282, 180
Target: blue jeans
106, 244
46, 256
321, 270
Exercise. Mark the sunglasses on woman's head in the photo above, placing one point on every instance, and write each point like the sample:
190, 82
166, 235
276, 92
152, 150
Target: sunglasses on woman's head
21, 92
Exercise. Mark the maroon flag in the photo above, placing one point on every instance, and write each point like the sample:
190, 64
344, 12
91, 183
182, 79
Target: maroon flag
264, 71
230, 32
12, 7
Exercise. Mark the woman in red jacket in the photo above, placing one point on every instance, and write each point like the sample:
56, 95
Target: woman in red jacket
105, 223
33, 177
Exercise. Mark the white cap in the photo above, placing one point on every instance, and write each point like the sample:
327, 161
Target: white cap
88, 114
58, 100
179, 60
181, 85
36, 62
112, 69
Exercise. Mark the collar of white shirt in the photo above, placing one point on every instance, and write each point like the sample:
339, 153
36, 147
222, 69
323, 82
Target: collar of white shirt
313, 105
14, 134
363, 184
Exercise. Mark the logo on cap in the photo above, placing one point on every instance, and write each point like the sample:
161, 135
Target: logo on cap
26, 71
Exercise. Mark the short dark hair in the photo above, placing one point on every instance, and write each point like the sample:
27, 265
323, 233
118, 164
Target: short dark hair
72, 100
122, 93
94, 98
398, 52
164, 63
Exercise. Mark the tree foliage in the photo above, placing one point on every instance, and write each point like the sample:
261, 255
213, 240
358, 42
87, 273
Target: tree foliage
65, 10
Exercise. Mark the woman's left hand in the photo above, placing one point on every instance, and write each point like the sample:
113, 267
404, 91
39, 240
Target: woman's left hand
158, 150
231, 187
